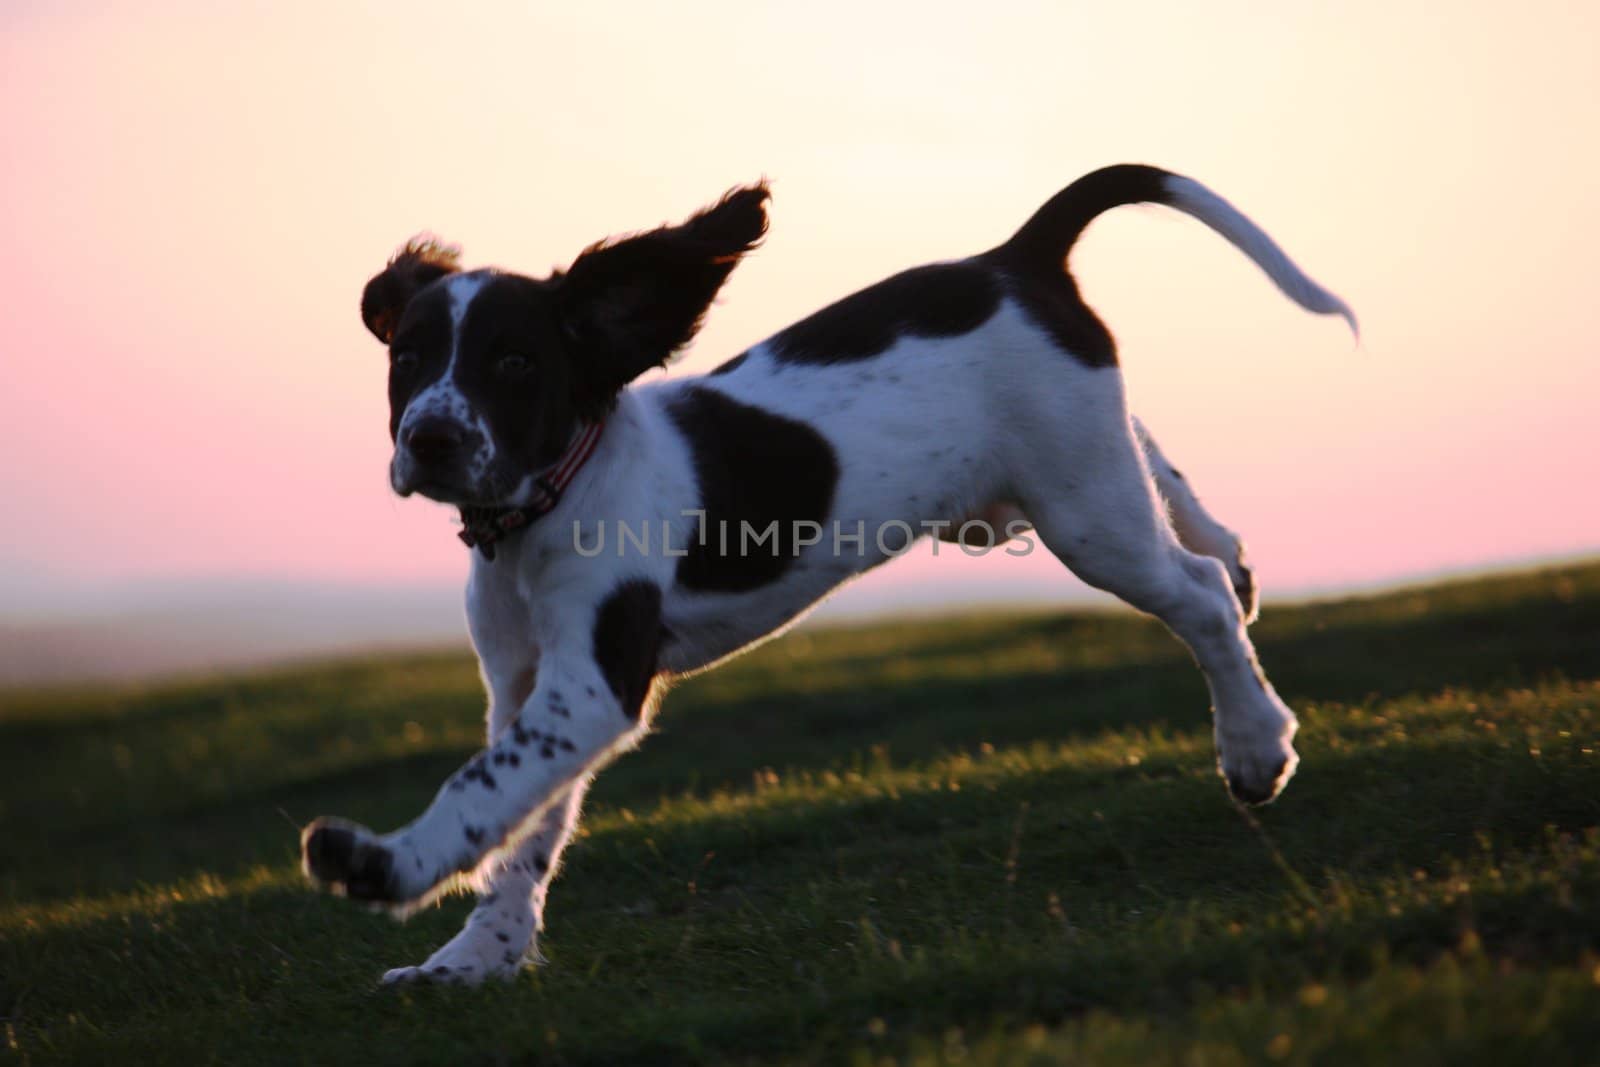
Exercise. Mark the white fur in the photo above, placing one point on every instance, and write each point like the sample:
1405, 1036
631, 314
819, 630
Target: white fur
1195, 200
998, 421
443, 396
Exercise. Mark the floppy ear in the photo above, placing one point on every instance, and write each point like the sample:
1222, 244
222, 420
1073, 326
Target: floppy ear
422, 260
627, 304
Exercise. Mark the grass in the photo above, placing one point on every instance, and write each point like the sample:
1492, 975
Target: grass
992, 840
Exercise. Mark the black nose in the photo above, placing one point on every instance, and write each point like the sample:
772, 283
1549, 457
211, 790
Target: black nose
432, 439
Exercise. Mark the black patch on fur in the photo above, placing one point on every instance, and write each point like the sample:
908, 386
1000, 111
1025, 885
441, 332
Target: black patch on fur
627, 304
1052, 301
540, 863
732, 364
478, 771
753, 467
421, 262
531, 412
627, 640
474, 767
1034, 260
943, 300
1042, 244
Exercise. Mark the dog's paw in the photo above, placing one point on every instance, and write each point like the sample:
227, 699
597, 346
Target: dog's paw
350, 860
1258, 766
461, 967
1258, 760
458, 974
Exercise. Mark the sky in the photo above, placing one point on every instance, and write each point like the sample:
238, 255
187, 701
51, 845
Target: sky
195, 193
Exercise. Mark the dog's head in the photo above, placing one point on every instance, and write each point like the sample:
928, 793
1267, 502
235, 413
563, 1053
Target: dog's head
490, 373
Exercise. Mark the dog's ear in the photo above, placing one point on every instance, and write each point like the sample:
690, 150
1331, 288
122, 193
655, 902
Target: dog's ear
423, 259
627, 304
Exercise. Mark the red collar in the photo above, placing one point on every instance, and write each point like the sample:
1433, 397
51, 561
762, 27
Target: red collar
481, 527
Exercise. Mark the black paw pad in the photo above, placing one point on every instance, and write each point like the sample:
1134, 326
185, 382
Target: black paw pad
339, 857
1253, 797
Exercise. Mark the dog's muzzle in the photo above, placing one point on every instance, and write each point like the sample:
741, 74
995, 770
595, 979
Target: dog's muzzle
433, 456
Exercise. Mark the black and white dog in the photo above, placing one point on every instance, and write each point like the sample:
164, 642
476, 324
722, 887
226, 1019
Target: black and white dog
976, 389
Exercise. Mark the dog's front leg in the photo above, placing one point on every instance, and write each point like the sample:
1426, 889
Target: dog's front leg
500, 935
589, 701
572, 721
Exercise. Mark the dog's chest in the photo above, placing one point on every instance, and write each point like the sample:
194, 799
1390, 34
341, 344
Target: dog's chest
500, 620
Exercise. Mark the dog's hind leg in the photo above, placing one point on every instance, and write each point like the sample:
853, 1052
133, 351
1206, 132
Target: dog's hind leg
1196, 529
1084, 483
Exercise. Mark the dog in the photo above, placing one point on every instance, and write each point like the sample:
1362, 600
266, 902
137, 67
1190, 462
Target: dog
941, 398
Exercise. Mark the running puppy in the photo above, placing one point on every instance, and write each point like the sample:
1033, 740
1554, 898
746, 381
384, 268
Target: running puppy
980, 387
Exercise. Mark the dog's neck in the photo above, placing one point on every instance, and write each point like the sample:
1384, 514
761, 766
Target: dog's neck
482, 527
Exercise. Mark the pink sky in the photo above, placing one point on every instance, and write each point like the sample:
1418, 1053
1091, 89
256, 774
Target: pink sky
193, 198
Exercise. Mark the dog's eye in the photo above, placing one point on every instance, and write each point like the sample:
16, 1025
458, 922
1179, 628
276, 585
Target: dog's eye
512, 364
404, 362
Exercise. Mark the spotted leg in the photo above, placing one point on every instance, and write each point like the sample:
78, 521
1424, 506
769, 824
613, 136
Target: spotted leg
596, 669
501, 933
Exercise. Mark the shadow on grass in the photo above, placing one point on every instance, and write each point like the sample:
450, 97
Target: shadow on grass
1162, 894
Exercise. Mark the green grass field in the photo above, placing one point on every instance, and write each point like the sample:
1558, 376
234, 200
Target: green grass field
992, 840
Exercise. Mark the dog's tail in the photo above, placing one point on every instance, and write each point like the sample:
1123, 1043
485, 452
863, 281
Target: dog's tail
1045, 239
